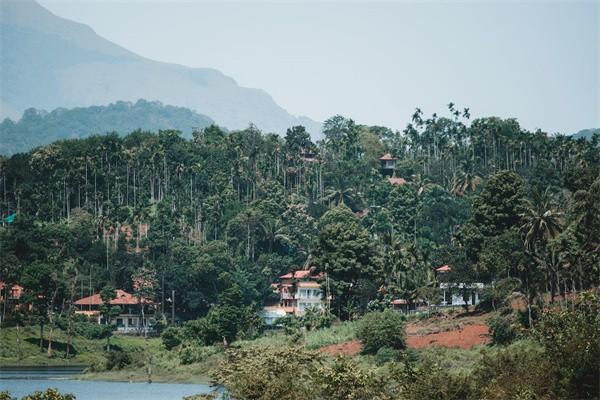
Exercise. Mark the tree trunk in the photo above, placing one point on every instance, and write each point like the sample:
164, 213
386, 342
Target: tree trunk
19, 353
41, 336
49, 353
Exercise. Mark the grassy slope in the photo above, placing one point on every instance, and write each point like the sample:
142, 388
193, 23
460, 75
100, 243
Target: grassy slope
166, 365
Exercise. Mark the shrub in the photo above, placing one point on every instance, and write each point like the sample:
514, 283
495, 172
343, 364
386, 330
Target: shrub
224, 323
171, 337
317, 319
429, 381
572, 341
49, 394
195, 354
520, 371
117, 360
502, 328
6, 396
386, 354
381, 329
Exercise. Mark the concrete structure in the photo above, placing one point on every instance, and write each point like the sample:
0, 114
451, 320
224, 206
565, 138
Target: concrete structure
298, 291
129, 319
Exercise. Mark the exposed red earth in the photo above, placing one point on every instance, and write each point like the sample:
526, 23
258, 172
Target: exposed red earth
462, 331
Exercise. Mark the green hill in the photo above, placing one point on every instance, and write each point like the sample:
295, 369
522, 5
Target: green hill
38, 127
586, 133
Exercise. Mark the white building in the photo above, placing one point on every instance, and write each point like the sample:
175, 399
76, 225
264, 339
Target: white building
298, 291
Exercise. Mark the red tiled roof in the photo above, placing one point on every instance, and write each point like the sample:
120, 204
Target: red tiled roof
387, 157
362, 212
399, 301
397, 181
301, 274
123, 298
15, 291
443, 268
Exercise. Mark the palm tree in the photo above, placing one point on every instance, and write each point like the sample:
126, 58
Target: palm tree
466, 180
542, 221
341, 193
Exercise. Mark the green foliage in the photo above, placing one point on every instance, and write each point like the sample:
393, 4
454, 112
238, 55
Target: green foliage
224, 324
192, 354
571, 338
38, 127
268, 374
381, 329
518, 372
171, 337
49, 394
117, 359
502, 327
386, 354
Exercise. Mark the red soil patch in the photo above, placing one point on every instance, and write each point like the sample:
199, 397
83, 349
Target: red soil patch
350, 348
464, 338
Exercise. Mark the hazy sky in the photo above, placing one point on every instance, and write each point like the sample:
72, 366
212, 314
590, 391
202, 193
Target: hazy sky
377, 61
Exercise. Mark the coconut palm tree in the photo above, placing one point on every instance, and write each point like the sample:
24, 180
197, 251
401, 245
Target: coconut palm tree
542, 220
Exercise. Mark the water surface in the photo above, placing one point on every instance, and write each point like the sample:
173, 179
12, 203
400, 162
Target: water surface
23, 381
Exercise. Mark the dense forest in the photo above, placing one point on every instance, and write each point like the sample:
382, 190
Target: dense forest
234, 210
218, 217
38, 127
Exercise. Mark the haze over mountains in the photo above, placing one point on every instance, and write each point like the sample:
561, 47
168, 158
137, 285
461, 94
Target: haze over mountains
49, 62
38, 127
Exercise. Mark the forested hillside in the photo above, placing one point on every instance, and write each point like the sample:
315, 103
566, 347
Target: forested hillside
74, 67
38, 127
217, 217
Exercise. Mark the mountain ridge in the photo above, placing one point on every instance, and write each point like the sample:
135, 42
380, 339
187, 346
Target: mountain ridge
50, 62
40, 127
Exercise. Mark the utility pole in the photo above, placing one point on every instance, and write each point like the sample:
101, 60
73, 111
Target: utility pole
173, 307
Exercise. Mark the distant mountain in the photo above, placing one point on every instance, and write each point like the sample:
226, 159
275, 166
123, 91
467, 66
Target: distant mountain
38, 127
49, 62
586, 133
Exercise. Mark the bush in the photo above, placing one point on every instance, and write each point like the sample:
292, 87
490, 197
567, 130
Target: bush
429, 381
572, 341
171, 337
117, 360
520, 371
502, 328
317, 319
6, 396
224, 323
49, 394
195, 354
386, 354
381, 329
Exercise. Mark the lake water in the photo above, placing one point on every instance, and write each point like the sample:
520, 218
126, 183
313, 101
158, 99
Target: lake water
20, 382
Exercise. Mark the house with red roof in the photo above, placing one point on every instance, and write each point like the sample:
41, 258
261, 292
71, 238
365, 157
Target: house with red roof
396, 181
10, 298
388, 162
129, 319
298, 291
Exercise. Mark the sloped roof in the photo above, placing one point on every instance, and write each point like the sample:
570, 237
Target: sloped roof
15, 290
123, 298
444, 268
301, 274
387, 157
396, 181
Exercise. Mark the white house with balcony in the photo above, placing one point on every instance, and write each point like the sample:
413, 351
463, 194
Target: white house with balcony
298, 291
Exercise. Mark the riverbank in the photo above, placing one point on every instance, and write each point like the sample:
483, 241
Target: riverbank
134, 355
